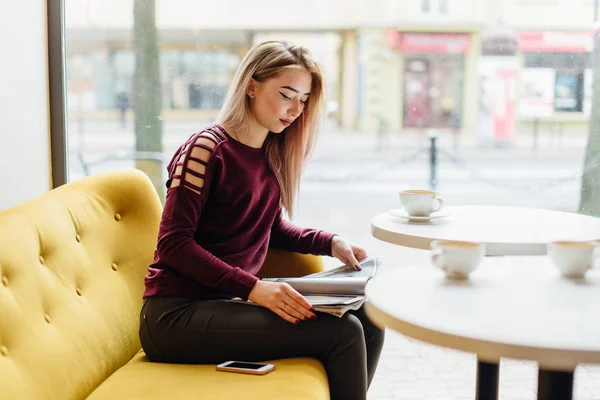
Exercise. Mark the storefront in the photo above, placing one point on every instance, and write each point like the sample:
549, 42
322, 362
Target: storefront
497, 70
195, 68
197, 79
191, 79
434, 74
556, 76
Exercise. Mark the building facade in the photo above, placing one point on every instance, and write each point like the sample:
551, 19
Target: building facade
489, 68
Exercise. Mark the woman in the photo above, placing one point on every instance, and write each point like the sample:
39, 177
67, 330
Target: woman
227, 188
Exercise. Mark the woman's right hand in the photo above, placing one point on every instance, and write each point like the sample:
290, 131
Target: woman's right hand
283, 300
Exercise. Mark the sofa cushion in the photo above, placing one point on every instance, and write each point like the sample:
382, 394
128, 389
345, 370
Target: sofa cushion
72, 266
72, 263
281, 263
293, 378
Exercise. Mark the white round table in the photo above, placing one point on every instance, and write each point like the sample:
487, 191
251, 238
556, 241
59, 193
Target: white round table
504, 230
511, 307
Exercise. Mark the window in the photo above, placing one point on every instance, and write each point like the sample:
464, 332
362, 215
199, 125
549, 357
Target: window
570, 61
509, 117
443, 6
426, 6
197, 79
537, 2
436, 7
569, 77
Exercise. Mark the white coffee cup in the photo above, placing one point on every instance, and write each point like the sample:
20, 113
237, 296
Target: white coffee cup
420, 202
457, 258
573, 259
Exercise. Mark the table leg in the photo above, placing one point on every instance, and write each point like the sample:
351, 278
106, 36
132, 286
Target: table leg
555, 385
487, 381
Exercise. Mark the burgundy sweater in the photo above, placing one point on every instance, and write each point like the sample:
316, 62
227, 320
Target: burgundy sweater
218, 223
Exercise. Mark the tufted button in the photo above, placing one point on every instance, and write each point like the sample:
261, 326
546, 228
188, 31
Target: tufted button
3, 350
5, 281
47, 318
117, 217
114, 266
78, 238
78, 291
41, 260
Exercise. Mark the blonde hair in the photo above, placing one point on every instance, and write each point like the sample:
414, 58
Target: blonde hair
288, 151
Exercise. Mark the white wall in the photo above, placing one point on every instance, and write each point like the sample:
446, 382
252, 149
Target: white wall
270, 14
24, 128
557, 14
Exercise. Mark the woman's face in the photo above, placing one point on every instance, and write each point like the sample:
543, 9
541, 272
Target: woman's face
278, 101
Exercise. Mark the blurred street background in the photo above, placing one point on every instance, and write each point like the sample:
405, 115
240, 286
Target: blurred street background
488, 102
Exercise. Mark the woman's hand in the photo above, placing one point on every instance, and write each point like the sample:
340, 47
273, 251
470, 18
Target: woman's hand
283, 300
347, 252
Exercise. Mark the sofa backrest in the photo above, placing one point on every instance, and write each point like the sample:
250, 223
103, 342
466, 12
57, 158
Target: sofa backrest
72, 263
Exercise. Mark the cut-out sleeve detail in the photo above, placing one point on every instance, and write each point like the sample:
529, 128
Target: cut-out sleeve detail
191, 163
177, 246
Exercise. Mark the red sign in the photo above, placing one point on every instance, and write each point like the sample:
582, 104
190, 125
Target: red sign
393, 38
505, 112
435, 43
556, 41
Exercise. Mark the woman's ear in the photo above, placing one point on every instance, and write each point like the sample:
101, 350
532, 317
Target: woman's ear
251, 90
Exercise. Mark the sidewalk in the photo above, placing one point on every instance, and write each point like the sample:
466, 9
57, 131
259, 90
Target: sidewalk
410, 370
335, 144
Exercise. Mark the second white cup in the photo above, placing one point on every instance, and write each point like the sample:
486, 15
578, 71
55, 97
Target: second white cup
457, 258
573, 259
420, 202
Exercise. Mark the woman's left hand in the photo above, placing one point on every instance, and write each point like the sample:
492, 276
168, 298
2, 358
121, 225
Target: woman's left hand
347, 252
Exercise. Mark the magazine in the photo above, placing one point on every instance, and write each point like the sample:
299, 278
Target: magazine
340, 281
334, 291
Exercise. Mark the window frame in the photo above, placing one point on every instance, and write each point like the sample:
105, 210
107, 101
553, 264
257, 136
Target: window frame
57, 92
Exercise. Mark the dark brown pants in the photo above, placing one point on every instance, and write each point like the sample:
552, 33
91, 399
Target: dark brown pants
179, 330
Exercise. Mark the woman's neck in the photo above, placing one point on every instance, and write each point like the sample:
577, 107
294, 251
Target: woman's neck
253, 134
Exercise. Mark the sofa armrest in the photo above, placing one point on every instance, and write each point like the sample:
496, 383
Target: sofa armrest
282, 263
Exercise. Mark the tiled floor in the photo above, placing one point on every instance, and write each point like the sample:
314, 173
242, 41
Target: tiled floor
410, 370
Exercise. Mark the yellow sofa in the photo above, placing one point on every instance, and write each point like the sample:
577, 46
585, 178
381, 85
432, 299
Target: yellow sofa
72, 264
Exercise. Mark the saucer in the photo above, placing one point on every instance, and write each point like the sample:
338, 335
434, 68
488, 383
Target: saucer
400, 213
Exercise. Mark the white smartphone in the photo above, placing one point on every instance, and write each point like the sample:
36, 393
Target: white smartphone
244, 367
